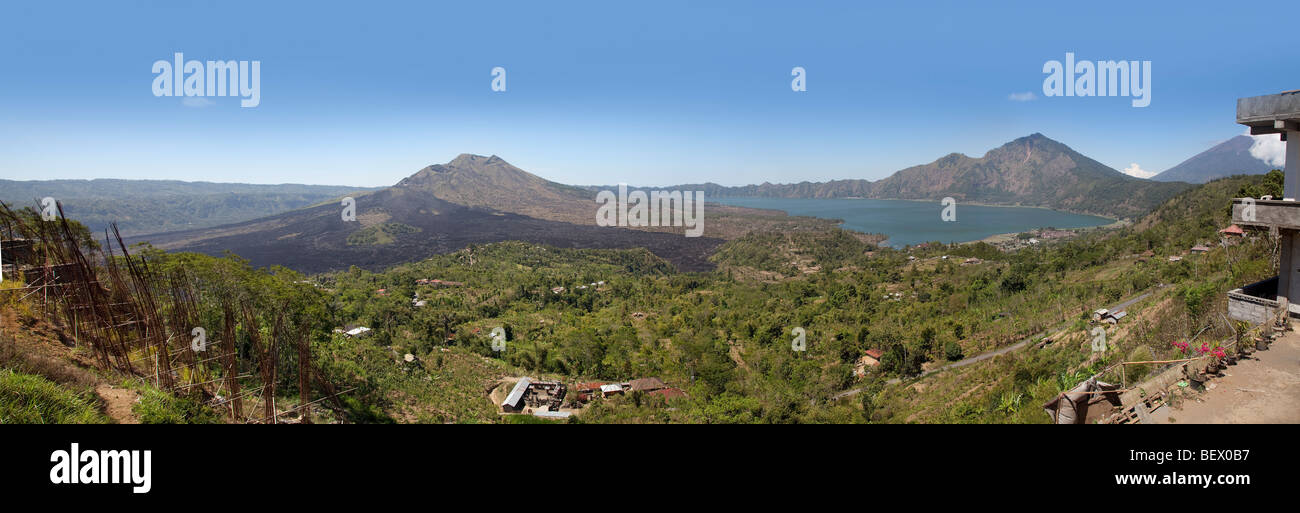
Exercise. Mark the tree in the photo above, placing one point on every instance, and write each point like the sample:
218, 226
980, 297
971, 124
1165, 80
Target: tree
952, 351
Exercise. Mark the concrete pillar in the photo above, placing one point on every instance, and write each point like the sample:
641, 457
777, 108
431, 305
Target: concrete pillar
1288, 273
1291, 187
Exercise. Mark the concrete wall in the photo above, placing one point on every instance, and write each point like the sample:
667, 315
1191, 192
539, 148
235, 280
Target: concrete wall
1250, 309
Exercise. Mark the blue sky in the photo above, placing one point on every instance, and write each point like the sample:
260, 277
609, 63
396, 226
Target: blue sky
656, 93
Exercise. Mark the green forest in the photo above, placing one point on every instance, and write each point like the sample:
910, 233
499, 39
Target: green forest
725, 337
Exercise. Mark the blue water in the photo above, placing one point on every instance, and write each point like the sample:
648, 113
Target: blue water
913, 222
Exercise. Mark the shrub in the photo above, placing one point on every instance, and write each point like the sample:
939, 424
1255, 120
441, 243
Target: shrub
158, 407
952, 351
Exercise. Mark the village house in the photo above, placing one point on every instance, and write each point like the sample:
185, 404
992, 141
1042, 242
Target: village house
514, 402
646, 385
1107, 316
539, 395
869, 359
1233, 231
584, 392
611, 389
358, 332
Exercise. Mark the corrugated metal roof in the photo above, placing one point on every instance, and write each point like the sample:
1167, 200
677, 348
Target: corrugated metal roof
610, 388
517, 393
552, 414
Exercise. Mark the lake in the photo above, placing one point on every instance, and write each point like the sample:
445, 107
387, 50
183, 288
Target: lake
912, 222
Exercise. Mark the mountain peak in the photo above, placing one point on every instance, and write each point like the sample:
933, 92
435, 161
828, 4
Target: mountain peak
470, 159
1034, 138
1230, 157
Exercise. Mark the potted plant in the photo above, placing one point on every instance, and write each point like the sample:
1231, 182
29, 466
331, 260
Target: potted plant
1205, 350
1260, 344
1220, 360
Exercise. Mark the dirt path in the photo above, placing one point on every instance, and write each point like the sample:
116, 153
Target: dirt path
1262, 390
118, 403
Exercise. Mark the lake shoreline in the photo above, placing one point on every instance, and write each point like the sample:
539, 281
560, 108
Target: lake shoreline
907, 222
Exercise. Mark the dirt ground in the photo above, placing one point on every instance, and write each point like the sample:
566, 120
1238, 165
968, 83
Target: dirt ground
1262, 390
117, 403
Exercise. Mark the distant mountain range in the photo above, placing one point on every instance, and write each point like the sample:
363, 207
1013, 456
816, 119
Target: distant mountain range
151, 206
1029, 171
475, 199
1231, 157
439, 209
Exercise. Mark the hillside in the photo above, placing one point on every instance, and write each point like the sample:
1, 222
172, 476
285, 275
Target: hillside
1029, 171
1033, 171
493, 183
720, 337
1231, 157
153, 206
439, 209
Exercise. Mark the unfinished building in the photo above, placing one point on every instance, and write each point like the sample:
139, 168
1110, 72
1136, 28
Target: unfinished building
1259, 302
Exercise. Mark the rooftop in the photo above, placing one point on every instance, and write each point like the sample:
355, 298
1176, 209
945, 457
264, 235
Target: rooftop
517, 393
1269, 114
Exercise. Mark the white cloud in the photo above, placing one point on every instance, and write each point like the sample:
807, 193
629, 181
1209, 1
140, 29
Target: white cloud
1026, 96
197, 102
1135, 170
1269, 148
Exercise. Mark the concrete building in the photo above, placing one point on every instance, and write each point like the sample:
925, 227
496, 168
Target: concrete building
1272, 114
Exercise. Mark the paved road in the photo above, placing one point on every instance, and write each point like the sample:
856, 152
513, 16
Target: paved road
984, 356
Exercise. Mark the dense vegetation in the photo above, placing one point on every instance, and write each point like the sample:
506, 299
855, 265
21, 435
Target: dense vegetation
725, 336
